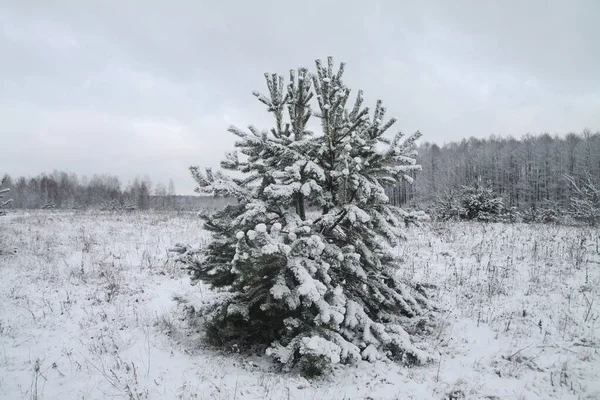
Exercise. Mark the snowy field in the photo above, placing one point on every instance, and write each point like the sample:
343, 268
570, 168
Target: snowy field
90, 308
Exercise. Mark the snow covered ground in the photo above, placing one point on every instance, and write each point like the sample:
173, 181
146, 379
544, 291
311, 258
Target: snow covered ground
89, 310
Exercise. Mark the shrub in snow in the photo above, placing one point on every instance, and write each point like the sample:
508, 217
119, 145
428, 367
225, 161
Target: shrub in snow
312, 290
548, 213
511, 215
472, 203
448, 207
111, 205
480, 203
3, 203
530, 215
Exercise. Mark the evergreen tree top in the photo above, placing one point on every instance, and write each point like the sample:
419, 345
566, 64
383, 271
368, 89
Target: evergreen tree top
349, 162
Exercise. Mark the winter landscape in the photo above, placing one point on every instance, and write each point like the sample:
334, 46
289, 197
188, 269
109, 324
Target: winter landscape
93, 307
308, 244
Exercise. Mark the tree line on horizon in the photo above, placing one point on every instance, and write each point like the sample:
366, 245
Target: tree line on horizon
63, 190
528, 173
60, 189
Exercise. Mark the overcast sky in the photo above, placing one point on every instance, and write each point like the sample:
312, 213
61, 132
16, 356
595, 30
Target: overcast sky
134, 88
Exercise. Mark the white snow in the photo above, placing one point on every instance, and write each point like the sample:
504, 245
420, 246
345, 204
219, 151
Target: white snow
306, 189
91, 306
270, 248
261, 228
279, 291
369, 353
318, 346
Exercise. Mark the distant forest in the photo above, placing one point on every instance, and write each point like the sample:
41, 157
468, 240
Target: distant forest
64, 190
528, 173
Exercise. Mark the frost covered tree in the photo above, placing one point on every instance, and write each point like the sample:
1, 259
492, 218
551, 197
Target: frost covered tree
304, 264
585, 203
448, 207
480, 203
3, 203
477, 202
548, 213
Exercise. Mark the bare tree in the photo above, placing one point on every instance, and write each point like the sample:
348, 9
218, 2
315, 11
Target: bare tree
585, 203
3, 203
160, 190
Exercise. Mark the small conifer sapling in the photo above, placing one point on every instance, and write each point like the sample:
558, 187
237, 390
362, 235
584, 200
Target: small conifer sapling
304, 265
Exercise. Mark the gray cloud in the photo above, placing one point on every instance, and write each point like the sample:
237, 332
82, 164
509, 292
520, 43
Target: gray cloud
150, 88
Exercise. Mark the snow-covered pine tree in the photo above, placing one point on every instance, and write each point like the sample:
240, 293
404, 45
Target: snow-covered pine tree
448, 207
3, 203
305, 264
480, 203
